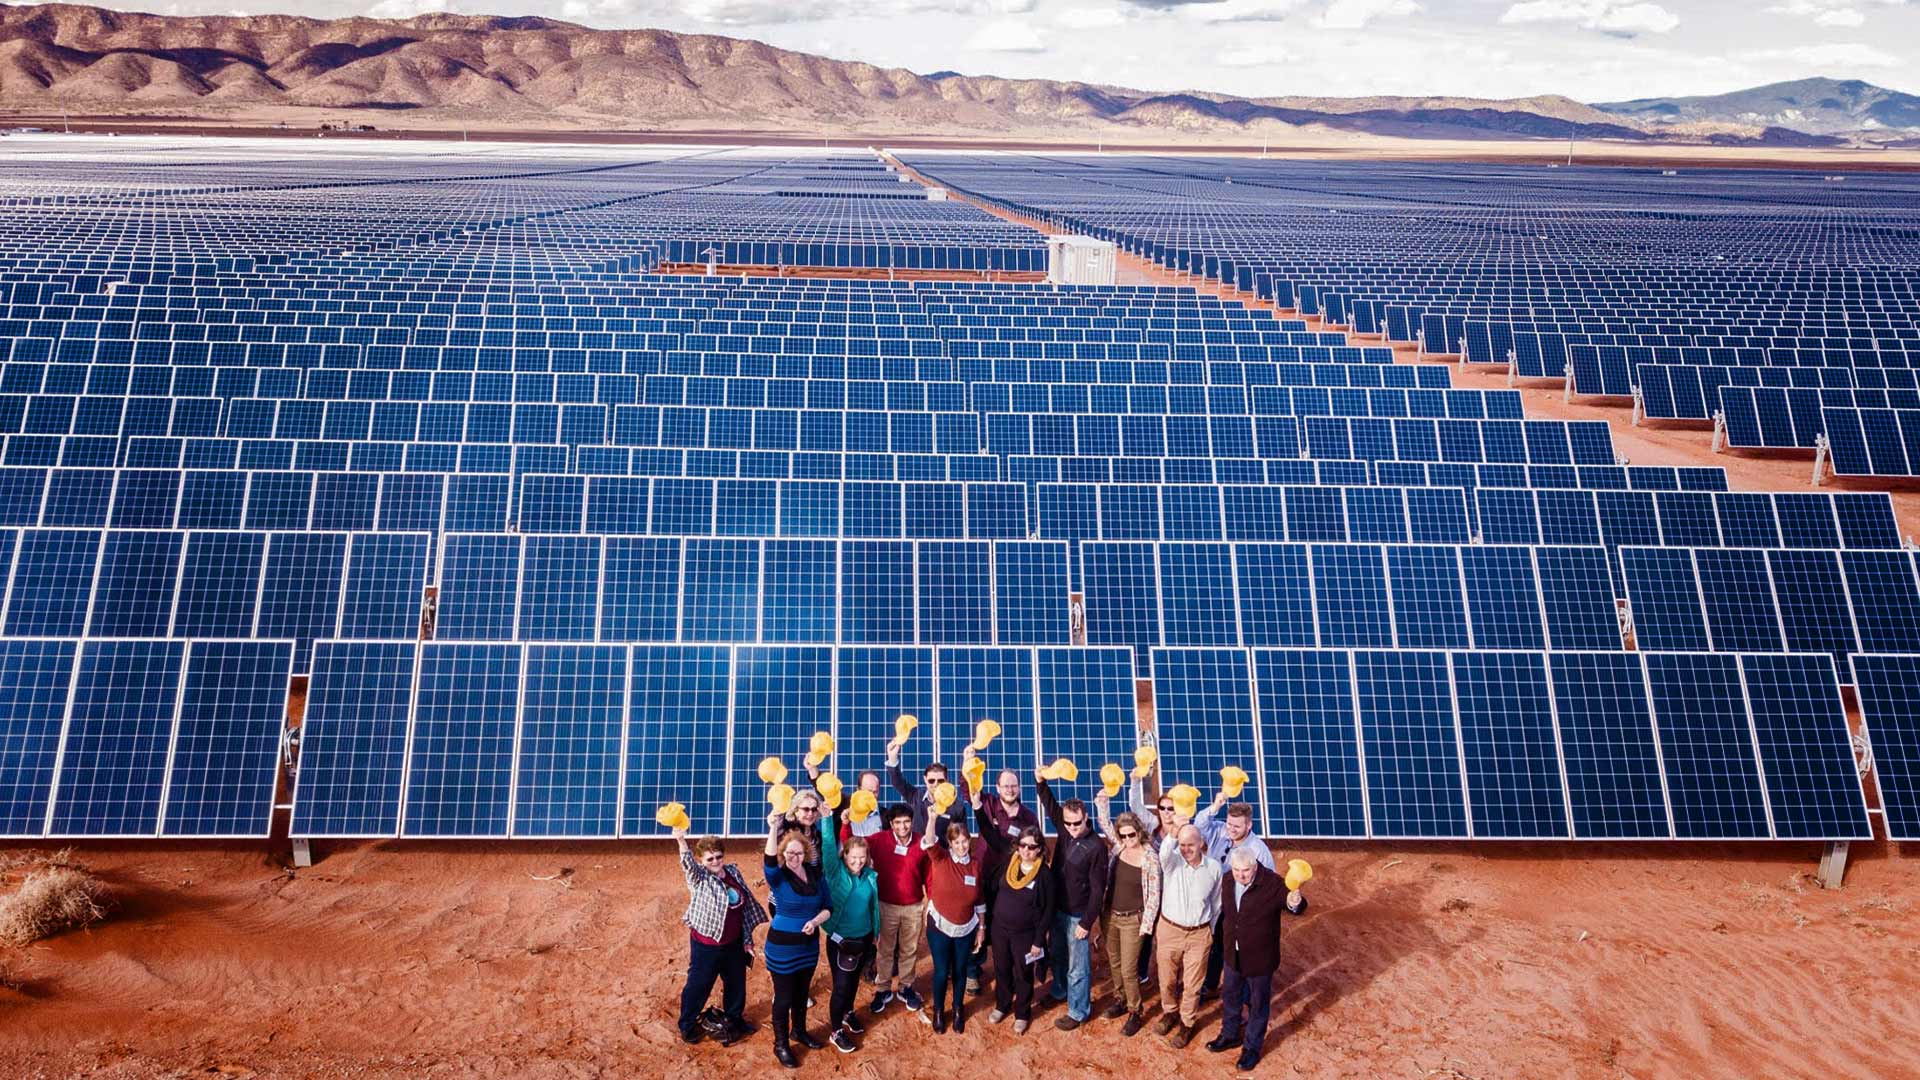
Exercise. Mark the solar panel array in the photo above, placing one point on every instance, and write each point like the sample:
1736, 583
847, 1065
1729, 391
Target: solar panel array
557, 537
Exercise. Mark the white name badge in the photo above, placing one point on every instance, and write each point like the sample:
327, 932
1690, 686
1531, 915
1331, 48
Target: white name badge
899, 849
1013, 830
967, 880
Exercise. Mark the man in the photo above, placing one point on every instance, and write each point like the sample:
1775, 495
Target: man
1189, 900
1250, 905
920, 799
1223, 839
901, 864
1005, 813
1079, 871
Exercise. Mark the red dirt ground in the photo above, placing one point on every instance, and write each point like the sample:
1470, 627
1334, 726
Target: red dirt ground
1459, 962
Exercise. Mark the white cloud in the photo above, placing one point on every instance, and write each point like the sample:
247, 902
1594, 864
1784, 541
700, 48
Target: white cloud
1844, 13
1834, 58
1233, 11
1606, 16
1354, 14
407, 9
1006, 35
1090, 18
1257, 56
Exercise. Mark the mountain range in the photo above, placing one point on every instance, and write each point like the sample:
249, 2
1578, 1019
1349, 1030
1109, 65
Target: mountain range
447, 70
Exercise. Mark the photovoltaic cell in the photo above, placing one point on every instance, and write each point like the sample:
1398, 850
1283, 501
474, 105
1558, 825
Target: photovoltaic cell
677, 746
1886, 600
1503, 598
1509, 743
1738, 593
1429, 609
1607, 742
1311, 778
559, 588
226, 752
35, 677
1086, 715
52, 583
797, 598
1275, 595
987, 684
956, 593
460, 757
720, 590
1030, 593
1706, 746
1196, 595
479, 587
1665, 599
134, 594
300, 589
1806, 748
874, 685
573, 713
781, 696
640, 589
1350, 596
114, 756
1576, 592
386, 575
1813, 602
877, 605
1410, 744
354, 739
1204, 716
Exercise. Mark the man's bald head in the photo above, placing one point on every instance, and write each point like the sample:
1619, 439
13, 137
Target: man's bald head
1193, 846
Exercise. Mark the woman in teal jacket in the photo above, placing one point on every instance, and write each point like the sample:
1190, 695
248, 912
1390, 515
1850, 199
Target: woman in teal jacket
855, 889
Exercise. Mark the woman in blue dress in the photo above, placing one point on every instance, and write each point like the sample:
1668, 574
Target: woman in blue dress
801, 903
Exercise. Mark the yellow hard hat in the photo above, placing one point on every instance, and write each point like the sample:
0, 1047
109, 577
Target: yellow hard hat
772, 770
862, 805
1143, 759
1112, 779
1233, 778
829, 787
819, 748
984, 733
780, 796
975, 770
1185, 797
1299, 872
943, 796
1061, 769
904, 724
673, 815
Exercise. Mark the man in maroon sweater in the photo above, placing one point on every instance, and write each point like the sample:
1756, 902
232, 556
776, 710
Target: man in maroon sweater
902, 865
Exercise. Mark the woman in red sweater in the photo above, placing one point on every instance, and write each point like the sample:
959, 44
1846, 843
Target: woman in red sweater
956, 897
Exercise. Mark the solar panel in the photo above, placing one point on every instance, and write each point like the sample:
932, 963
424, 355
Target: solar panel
113, 755
781, 696
640, 589
873, 686
300, 589
1706, 747
1737, 592
1614, 783
1204, 716
1806, 748
677, 742
35, 678
1030, 593
1275, 595
226, 746
1665, 598
134, 593
956, 592
386, 574
559, 588
1510, 746
460, 755
1311, 780
877, 603
1813, 602
567, 764
1410, 744
1196, 595
798, 595
1576, 594
1429, 608
988, 684
353, 741
1889, 689
52, 585
1503, 599
720, 590
1086, 714
1886, 601
1350, 596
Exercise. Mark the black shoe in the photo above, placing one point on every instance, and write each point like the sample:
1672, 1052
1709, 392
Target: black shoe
735, 1032
852, 1023
880, 1002
691, 1035
1114, 1011
808, 1041
784, 1055
843, 1042
1066, 1023
1248, 1059
1134, 1023
1208, 993
911, 999
939, 1020
959, 1020
1222, 1043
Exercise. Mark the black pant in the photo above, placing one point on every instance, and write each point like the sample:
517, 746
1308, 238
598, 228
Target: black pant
790, 1002
849, 958
726, 962
1254, 994
1216, 959
1012, 975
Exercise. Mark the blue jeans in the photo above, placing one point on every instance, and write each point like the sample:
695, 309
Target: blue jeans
1254, 995
951, 956
1072, 967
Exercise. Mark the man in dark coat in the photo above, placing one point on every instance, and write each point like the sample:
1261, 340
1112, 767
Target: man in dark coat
1251, 901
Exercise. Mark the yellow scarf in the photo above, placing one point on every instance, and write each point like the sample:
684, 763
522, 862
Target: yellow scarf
1014, 877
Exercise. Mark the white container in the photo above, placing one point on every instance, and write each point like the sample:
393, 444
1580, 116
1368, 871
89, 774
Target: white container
936, 194
1080, 260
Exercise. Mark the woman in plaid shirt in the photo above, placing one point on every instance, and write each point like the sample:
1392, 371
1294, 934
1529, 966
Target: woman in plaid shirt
721, 915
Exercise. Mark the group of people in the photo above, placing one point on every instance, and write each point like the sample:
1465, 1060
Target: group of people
1194, 895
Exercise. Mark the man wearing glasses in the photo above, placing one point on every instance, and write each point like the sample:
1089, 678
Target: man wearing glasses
1080, 881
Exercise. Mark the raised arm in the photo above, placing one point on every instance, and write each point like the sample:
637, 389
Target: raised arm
988, 831
1137, 802
897, 778
1169, 854
1049, 803
1103, 811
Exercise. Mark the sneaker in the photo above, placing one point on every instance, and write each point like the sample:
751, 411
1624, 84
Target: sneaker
1145, 976
911, 999
1168, 1021
1066, 1023
1115, 1011
973, 984
1133, 1025
842, 1041
996, 1016
1180, 1037
880, 1002
1020, 1027
852, 1023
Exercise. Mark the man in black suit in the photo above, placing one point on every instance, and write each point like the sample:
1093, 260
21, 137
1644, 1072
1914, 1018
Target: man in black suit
1251, 901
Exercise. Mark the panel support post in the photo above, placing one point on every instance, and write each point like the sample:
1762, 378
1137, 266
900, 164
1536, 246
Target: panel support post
1833, 864
302, 852
1819, 457
1639, 407
1719, 431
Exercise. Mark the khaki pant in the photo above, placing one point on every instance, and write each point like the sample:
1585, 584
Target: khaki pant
898, 945
1123, 957
1182, 956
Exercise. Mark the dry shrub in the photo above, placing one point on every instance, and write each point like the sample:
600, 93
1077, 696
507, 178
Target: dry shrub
51, 900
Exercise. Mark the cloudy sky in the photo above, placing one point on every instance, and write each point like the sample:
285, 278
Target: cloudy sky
1593, 50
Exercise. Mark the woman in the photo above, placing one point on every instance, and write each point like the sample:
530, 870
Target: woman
1132, 902
801, 906
955, 901
853, 891
1022, 919
720, 917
